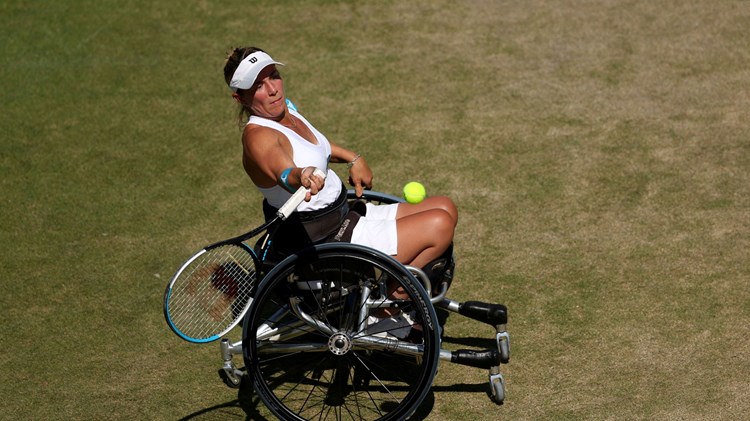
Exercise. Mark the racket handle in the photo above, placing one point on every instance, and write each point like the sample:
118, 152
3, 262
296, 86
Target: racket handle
291, 205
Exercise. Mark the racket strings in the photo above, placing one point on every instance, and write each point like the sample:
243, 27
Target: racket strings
211, 293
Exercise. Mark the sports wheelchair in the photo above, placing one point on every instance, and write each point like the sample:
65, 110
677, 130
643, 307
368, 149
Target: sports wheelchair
345, 329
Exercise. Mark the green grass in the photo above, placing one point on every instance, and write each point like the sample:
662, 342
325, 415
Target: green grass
598, 153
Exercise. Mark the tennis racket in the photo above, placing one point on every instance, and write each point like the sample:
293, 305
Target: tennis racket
211, 292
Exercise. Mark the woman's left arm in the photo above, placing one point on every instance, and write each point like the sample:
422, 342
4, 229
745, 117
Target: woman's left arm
360, 175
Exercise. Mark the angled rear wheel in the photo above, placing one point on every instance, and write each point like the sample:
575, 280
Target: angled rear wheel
341, 331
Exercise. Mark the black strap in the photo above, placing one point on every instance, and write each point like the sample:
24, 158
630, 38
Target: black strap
303, 228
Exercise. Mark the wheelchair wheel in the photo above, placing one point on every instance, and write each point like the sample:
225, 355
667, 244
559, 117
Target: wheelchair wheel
341, 331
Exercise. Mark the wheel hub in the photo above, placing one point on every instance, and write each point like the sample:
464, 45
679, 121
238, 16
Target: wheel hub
339, 343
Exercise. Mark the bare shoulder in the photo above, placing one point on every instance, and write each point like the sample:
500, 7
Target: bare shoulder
259, 141
261, 137
254, 131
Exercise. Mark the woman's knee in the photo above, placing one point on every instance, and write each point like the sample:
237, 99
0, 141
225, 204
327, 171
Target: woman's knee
445, 204
442, 203
429, 228
452, 210
424, 236
441, 225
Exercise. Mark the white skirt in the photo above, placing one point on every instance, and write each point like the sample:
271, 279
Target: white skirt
378, 228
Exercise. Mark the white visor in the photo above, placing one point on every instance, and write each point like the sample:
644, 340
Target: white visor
249, 69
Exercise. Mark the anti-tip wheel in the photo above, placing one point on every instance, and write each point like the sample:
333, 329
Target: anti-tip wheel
497, 388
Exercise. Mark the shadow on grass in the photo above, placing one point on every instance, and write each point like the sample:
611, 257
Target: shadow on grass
224, 411
247, 404
250, 404
244, 407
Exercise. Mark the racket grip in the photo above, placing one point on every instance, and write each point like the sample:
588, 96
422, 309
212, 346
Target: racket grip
291, 205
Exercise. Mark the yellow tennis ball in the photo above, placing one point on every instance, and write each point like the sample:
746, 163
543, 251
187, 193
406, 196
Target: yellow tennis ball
414, 192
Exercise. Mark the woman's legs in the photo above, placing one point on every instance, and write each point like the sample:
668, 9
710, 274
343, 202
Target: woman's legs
425, 230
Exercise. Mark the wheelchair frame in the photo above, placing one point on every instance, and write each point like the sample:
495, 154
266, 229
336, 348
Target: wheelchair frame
304, 321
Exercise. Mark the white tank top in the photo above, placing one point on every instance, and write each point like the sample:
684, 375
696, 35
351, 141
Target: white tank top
304, 154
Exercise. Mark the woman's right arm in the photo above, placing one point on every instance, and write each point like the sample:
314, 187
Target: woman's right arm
267, 155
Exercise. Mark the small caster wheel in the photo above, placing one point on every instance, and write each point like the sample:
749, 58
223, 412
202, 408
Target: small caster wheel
497, 388
231, 380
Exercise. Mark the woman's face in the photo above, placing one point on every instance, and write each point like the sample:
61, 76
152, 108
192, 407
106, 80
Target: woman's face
266, 97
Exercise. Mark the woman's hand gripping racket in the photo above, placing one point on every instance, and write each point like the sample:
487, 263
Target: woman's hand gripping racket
211, 292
